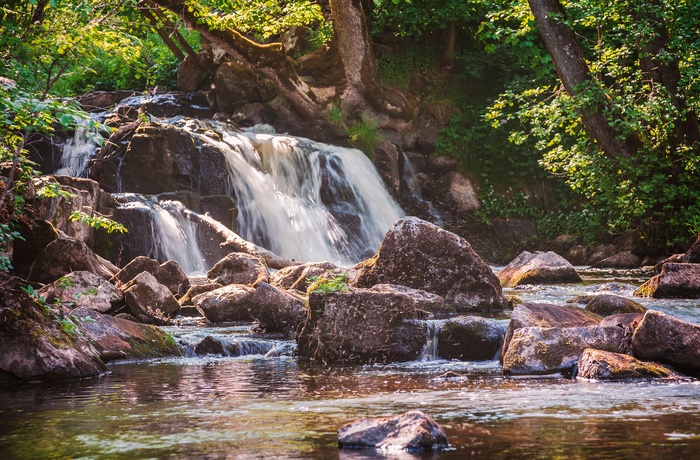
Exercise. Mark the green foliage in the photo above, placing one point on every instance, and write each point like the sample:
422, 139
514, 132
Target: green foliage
364, 133
415, 18
396, 68
329, 284
336, 117
64, 282
97, 222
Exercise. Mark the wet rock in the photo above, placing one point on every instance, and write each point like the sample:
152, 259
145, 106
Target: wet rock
457, 193
411, 431
195, 290
361, 326
542, 351
470, 338
83, 289
210, 346
386, 160
166, 105
239, 268
619, 260
605, 365
299, 277
547, 315
675, 280
99, 101
255, 113
692, 255
63, 256
625, 320
420, 255
149, 301
34, 345
169, 274
117, 338
663, 338
276, 310
538, 268
229, 303
606, 305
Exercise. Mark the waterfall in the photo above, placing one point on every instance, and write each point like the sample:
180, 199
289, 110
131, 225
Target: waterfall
172, 234
430, 349
78, 151
301, 199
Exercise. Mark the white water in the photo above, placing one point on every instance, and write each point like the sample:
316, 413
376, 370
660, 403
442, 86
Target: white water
430, 350
172, 234
78, 151
302, 199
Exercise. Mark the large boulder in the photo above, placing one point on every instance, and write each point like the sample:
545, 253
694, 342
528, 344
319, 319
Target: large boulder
546, 315
607, 304
35, 238
421, 255
149, 301
83, 289
237, 83
663, 338
606, 365
412, 431
117, 338
36, 344
552, 350
239, 268
63, 256
169, 273
675, 280
229, 303
299, 277
538, 268
470, 338
361, 326
620, 260
195, 290
276, 310
627, 320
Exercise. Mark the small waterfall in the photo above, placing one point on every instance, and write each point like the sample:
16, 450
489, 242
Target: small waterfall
78, 151
430, 350
302, 199
172, 234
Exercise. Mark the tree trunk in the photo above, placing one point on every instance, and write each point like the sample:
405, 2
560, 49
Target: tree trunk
575, 74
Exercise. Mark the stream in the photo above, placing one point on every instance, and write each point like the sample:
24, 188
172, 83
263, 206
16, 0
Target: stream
264, 403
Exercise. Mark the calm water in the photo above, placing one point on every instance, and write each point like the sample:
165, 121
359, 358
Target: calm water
274, 407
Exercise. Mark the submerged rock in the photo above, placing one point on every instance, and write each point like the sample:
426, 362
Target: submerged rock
663, 338
674, 281
542, 351
606, 305
470, 338
538, 268
605, 365
411, 431
83, 289
420, 255
239, 268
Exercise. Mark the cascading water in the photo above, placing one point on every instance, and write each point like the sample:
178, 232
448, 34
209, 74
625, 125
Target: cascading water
430, 350
302, 199
78, 151
172, 234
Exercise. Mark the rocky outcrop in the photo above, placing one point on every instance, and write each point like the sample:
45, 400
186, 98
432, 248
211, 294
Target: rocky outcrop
83, 289
420, 255
547, 315
470, 338
195, 290
117, 338
236, 83
605, 365
412, 431
169, 273
675, 280
63, 256
239, 268
542, 351
37, 344
299, 277
361, 326
149, 301
276, 310
538, 268
457, 192
606, 305
663, 338
229, 303
35, 237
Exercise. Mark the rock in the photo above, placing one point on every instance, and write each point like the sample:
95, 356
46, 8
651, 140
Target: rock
663, 338
411, 431
165, 105
255, 113
236, 83
297, 276
457, 193
426, 303
675, 258
577, 254
442, 164
542, 351
361, 326
63, 256
295, 39
34, 239
276, 310
195, 291
169, 274
138, 265
605, 365
675, 280
420, 255
564, 242
619, 260
386, 160
100, 101
149, 301
601, 252
606, 305
229, 303
117, 338
470, 338
546, 315
626, 320
210, 346
35, 345
538, 268
692, 255
83, 289
191, 76
239, 268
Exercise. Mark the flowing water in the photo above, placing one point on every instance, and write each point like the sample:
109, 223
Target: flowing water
260, 402
78, 151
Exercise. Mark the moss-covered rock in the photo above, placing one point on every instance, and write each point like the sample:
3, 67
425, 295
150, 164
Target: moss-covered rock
606, 305
605, 365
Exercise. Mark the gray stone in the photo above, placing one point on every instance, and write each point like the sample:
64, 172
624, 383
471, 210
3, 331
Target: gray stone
276, 310
538, 268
